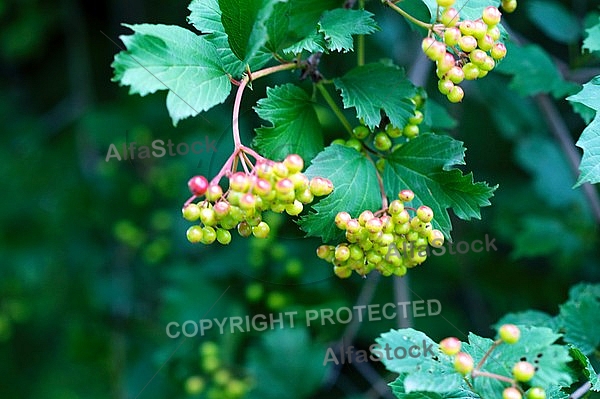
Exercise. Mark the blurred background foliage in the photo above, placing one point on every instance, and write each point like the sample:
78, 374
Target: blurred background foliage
94, 260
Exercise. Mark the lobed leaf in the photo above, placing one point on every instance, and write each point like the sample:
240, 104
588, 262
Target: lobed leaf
340, 24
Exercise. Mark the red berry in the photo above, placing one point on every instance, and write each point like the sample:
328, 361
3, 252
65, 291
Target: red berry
198, 185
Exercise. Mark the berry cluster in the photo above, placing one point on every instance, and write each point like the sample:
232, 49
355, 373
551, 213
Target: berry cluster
390, 243
276, 186
522, 371
463, 50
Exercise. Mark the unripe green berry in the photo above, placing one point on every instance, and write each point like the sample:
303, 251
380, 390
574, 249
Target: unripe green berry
194, 234
466, 27
445, 64
342, 253
445, 86
494, 32
425, 213
261, 230
479, 29
326, 252
341, 220
191, 212
416, 119
360, 132
393, 131
280, 169
450, 18
305, 196
456, 94
320, 186
509, 5
498, 51
523, 371
509, 333
450, 346
471, 71
406, 195
435, 238
456, 75
209, 235
452, 36
467, 43
214, 192
485, 43
488, 64
223, 236
433, 49
365, 216
395, 207
410, 131
491, 16
207, 216
463, 363
536, 393
294, 208
354, 143
382, 142
445, 3
342, 271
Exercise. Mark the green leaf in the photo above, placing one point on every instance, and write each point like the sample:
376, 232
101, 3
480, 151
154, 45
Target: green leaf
586, 367
533, 71
528, 317
305, 14
313, 44
355, 189
425, 165
565, 27
589, 141
591, 42
296, 128
165, 57
277, 26
377, 87
469, 9
340, 24
244, 22
400, 392
580, 319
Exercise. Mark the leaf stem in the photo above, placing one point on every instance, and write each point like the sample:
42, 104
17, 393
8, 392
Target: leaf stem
334, 107
487, 354
360, 45
479, 373
406, 15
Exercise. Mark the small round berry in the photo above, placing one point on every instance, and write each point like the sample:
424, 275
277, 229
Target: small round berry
223, 236
467, 43
365, 216
382, 141
198, 185
494, 32
262, 187
194, 234
445, 3
463, 363
456, 94
374, 225
261, 230
435, 238
479, 29
248, 202
425, 213
452, 36
445, 86
341, 220
221, 209
294, 163
214, 192
488, 64
445, 63
244, 229
466, 27
536, 393
509, 5
380, 164
406, 196
239, 182
209, 235
395, 207
456, 75
523, 371
360, 132
280, 169
284, 186
486, 43
511, 393
320, 186
354, 143
491, 16
342, 253
325, 252
191, 212
294, 208
305, 196
342, 271
194, 385
410, 131
433, 49
498, 51
509, 333
393, 131
450, 18
416, 119
450, 346
208, 216
471, 71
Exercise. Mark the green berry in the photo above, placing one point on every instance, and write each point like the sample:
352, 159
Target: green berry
254, 292
536, 393
450, 346
294, 163
294, 208
509, 333
354, 143
463, 363
471, 71
498, 51
455, 75
523, 371
425, 213
445, 86
456, 94
485, 43
360, 132
261, 230
509, 5
416, 119
467, 43
194, 234
208, 216
435, 238
239, 181
410, 131
209, 235
445, 3
406, 195
511, 393
450, 18
382, 142
342, 271
214, 192
194, 385
393, 131
320, 186
191, 212
223, 236
491, 16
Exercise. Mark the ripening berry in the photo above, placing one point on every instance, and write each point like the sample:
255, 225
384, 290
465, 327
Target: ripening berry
491, 16
406, 196
433, 49
479, 29
365, 216
194, 234
305, 196
342, 271
294, 208
294, 163
478, 57
445, 86
523, 371
360, 132
395, 207
450, 18
498, 51
264, 170
511, 393
463, 363
466, 27
410, 131
488, 64
262, 187
445, 63
280, 169
320, 186
198, 185
244, 229
209, 235
382, 141
261, 230
425, 213
325, 252
467, 43
342, 253
341, 220
494, 33
509, 5
214, 192
445, 3
509, 333
456, 75
435, 238
248, 202
450, 345
353, 226
208, 216
456, 94
471, 71
374, 225
191, 212
452, 36
239, 182
536, 393
485, 43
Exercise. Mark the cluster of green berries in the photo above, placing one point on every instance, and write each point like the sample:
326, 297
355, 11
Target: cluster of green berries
219, 382
390, 243
522, 371
276, 186
463, 50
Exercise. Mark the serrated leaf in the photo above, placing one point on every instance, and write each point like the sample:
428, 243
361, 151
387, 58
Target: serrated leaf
305, 14
340, 24
469, 9
425, 165
529, 317
166, 57
533, 71
565, 27
580, 319
399, 391
244, 23
313, 44
591, 42
296, 128
377, 87
586, 366
589, 141
355, 189
277, 26
536, 345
